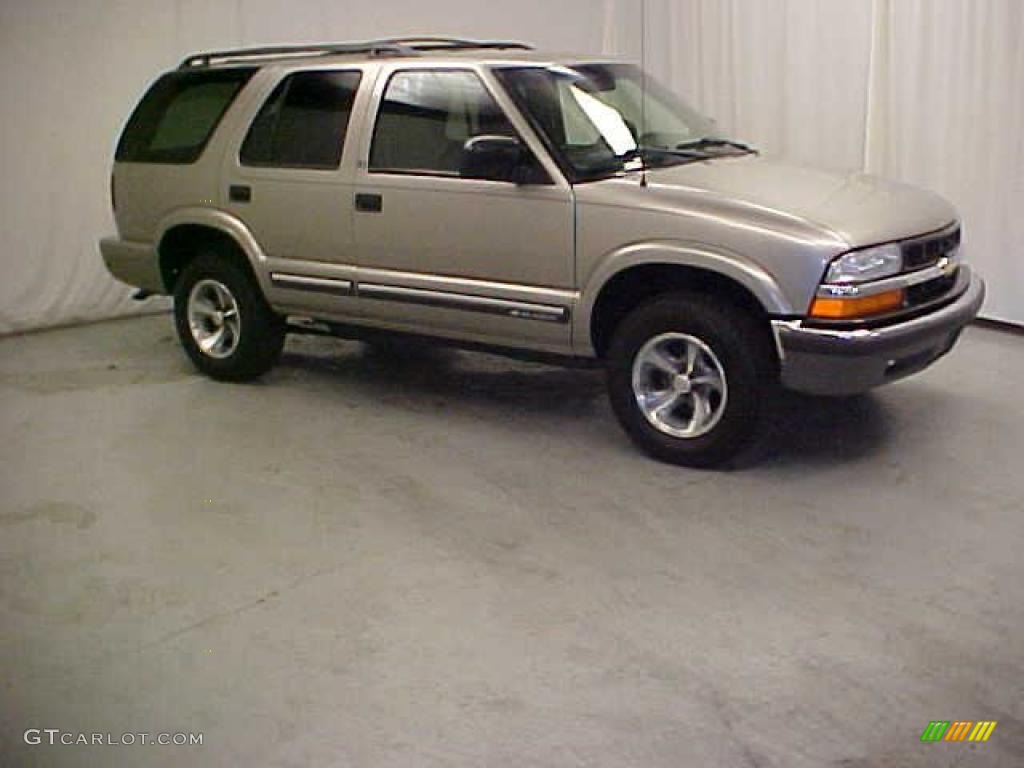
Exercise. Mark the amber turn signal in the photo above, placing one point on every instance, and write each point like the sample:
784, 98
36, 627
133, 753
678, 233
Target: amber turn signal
856, 306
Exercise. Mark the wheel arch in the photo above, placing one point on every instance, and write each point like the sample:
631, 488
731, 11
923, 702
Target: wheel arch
643, 271
184, 233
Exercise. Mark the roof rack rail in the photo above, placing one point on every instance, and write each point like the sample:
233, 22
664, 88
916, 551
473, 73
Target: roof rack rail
456, 43
374, 48
387, 47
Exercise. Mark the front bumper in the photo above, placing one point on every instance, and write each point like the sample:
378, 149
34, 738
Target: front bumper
132, 263
825, 361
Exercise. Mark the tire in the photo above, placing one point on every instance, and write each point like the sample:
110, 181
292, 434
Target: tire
253, 335
732, 370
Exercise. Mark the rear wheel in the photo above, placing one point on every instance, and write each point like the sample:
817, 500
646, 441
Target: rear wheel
690, 378
223, 322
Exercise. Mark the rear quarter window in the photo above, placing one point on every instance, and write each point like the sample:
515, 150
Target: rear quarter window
178, 114
303, 122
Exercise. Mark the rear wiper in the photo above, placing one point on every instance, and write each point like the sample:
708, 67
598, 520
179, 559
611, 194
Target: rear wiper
707, 142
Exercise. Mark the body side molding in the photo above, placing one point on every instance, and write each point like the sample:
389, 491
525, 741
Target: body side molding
507, 307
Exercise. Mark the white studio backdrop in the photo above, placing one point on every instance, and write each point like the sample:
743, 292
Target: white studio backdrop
926, 91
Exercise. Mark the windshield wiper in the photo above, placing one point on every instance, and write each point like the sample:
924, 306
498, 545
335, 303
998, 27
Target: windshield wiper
707, 142
643, 153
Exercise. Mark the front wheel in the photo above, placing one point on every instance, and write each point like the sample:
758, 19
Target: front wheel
689, 378
223, 321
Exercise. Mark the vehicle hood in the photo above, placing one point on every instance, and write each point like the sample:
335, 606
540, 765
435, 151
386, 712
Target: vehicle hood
860, 208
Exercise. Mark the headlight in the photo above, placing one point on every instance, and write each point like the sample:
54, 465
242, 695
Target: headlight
868, 264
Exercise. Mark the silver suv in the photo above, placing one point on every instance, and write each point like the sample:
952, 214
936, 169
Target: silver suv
487, 194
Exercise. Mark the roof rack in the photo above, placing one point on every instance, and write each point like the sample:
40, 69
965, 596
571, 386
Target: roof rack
455, 43
387, 47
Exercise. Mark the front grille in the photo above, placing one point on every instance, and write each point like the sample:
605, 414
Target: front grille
926, 251
925, 293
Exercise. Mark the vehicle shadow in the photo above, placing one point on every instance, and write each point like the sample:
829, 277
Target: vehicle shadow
425, 376
812, 431
803, 430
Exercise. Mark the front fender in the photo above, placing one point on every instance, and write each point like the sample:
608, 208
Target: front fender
735, 267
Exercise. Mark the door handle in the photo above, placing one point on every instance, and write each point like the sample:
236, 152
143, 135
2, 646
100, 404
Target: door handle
240, 193
369, 202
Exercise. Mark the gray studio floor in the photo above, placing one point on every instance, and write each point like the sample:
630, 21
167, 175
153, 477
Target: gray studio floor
402, 558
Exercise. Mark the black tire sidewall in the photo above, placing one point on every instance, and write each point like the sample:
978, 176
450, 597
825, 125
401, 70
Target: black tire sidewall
261, 332
741, 348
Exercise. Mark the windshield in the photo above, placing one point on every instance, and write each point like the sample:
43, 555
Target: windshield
593, 117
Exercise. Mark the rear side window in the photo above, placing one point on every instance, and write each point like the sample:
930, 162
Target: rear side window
177, 116
303, 123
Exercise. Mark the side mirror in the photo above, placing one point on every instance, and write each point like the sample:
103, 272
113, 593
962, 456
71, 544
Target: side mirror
494, 158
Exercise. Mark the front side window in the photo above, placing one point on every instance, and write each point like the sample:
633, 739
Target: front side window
303, 122
597, 120
178, 114
425, 119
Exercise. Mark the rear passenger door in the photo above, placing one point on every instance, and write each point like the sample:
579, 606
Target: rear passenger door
465, 257
288, 183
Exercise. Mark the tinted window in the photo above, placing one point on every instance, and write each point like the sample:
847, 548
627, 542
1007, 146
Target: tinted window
178, 115
303, 123
426, 117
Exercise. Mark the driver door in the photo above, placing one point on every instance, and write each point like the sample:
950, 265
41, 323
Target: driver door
440, 253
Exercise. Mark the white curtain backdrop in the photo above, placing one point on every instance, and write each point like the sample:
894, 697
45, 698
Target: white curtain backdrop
790, 76
947, 112
929, 91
